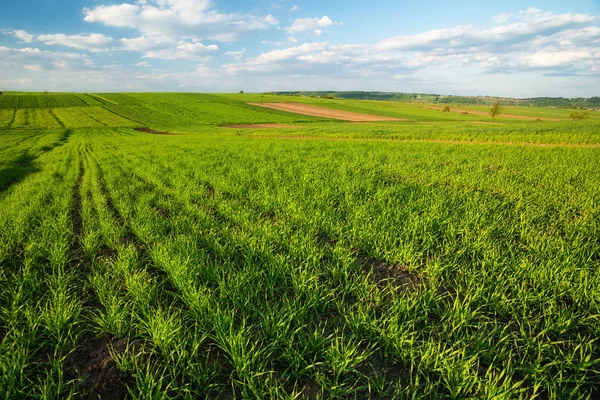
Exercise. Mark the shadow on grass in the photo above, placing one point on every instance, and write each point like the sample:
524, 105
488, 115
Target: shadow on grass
18, 170
24, 165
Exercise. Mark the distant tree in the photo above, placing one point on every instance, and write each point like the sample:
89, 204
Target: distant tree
1, 93
241, 92
330, 96
579, 115
446, 108
496, 109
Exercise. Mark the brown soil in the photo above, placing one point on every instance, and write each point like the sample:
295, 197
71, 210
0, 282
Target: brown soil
155, 132
477, 112
262, 126
396, 275
316, 111
465, 122
93, 363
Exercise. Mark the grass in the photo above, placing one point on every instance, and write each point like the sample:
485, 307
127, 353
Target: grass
407, 260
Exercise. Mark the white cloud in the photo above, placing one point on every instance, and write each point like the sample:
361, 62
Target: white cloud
531, 23
532, 43
502, 18
121, 15
294, 8
33, 67
93, 41
59, 64
35, 59
178, 18
23, 36
548, 59
310, 24
16, 83
145, 43
236, 55
183, 51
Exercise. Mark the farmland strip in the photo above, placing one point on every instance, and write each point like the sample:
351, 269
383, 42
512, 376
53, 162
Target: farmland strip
56, 118
461, 142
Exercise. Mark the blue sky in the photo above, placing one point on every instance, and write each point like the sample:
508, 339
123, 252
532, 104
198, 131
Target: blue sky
508, 48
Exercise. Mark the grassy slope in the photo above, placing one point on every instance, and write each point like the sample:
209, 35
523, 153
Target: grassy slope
250, 266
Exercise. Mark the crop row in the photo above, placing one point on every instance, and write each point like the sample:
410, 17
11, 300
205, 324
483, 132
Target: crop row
50, 100
82, 117
216, 266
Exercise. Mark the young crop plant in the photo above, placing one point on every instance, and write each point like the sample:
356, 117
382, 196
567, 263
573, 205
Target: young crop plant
427, 257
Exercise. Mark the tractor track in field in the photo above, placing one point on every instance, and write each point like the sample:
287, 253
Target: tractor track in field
130, 237
122, 116
441, 141
76, 217
91, 364
62, 125
12, 120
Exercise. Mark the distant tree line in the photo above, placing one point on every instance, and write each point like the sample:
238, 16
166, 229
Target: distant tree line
559, 102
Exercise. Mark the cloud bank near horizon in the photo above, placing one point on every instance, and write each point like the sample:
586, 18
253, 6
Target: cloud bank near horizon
191, 45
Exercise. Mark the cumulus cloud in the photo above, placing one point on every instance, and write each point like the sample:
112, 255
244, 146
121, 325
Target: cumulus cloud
528, 25
23, 36
530, 43
33, 67
551, 59
178, 18
532, 40
93, 41
145, 43
35, 59
236, 55
183, 51
310, 24
294, 8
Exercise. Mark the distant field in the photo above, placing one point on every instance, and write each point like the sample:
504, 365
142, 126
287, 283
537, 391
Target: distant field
181, 245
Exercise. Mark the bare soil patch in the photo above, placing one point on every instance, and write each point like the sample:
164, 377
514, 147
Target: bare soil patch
316, 111
502, 115
94, 364
261, 126
396, 275
154, 132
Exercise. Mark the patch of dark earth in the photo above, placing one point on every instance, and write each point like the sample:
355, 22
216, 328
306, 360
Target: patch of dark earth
153, 131
94, 365
397, 276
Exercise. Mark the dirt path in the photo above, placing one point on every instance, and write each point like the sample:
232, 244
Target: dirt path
526, 144
262, 126
485, 113
152, 131
316, 111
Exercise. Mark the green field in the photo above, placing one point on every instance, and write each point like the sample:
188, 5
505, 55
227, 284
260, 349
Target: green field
437, 257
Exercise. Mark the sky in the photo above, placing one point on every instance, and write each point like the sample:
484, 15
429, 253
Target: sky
505, 48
